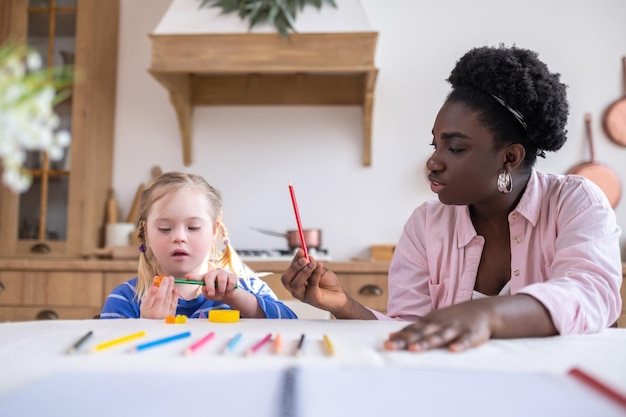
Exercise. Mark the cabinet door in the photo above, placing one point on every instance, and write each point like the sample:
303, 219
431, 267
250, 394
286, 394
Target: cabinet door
368, 289
49, 295
62, 212
112, 280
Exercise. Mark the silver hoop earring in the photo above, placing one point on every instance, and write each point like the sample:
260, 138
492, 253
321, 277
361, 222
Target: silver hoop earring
505, 182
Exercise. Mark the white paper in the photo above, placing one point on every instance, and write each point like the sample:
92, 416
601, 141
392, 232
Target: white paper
314, 392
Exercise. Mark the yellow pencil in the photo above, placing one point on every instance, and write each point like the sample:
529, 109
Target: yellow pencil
118, 341
329, 345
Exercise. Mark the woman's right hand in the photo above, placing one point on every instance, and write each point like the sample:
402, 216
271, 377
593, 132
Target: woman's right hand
313, 284
161, 300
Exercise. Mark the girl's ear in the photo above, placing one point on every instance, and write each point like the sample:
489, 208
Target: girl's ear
217, 227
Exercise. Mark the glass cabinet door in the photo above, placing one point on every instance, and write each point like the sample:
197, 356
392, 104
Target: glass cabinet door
51, 30
62, 213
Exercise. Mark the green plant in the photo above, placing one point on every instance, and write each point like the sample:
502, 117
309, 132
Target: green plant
279, 13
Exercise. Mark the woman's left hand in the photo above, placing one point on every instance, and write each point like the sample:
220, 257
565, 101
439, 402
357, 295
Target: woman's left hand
458, 328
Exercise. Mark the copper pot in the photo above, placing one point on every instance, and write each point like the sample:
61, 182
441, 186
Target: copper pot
603, 176
312, 237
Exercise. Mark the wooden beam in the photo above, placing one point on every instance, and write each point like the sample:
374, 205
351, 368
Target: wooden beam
179, 87
368, 108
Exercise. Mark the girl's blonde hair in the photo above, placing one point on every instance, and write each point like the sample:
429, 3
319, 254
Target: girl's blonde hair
222, 255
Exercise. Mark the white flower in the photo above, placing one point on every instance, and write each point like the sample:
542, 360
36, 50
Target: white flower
27, 118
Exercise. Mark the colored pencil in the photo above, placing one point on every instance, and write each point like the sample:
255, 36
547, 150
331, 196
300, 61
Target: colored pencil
187, 281
193, 282
299, 223
193, 348
119, 340
598, 385
162, 341
278, 343
79, 342
231, 344
299, 347
329, 345
258, 345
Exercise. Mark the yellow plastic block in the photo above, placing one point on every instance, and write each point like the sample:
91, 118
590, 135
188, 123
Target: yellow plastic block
224, 316
180, 319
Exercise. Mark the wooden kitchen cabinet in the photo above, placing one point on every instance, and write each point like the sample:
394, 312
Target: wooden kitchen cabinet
365, 281
62, 213
77, 288
32, 295
51, 288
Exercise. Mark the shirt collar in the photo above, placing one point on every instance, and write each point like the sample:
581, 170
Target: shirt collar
529, 207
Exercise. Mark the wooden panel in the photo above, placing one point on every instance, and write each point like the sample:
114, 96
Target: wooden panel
369, 290
112, 280
52, 289
277, 286
32, 313
272, 89
215, 53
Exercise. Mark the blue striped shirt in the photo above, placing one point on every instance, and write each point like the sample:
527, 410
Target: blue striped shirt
123, 303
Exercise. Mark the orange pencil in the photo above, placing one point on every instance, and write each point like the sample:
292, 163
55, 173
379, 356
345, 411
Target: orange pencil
278, 343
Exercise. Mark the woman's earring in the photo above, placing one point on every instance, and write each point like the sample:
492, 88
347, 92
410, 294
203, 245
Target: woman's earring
505, 182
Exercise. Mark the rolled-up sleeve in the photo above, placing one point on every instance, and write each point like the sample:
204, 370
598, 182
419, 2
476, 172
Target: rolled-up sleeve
581, 289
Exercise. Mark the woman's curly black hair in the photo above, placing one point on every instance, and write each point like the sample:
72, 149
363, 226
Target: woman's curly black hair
516, 95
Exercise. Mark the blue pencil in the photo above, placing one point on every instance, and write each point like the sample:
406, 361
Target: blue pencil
231, 344
161, 341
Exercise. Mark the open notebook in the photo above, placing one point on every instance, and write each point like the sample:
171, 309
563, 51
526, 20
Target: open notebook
309, 392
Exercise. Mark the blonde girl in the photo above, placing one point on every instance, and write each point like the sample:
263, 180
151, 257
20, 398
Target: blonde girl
183, 236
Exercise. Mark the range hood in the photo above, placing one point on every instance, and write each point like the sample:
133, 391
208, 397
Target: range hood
205, 58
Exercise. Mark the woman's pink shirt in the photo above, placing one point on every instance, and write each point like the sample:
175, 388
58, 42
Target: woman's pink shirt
564, 252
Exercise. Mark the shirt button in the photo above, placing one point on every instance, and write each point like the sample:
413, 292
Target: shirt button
518, 239
516, 272
514, 215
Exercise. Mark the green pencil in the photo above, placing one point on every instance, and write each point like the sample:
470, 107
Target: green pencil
190, 281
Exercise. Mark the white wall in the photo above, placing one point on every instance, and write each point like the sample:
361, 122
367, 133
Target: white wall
251, 153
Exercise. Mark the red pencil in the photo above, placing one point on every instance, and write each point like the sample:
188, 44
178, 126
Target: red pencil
598, 385
300, 231
259, 344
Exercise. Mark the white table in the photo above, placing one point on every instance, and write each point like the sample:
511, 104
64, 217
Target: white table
361, 378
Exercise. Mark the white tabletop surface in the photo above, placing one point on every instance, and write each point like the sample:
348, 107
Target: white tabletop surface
33, 358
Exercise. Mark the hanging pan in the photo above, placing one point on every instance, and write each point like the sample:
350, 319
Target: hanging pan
601, 175
614, 120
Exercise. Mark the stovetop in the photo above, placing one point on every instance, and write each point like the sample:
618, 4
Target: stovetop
280, 255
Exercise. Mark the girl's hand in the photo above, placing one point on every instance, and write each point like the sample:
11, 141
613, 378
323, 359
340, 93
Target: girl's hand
220, 285
161, 300
458, 328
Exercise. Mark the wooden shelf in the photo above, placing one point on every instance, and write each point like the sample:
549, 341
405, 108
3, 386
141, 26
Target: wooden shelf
263, 69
